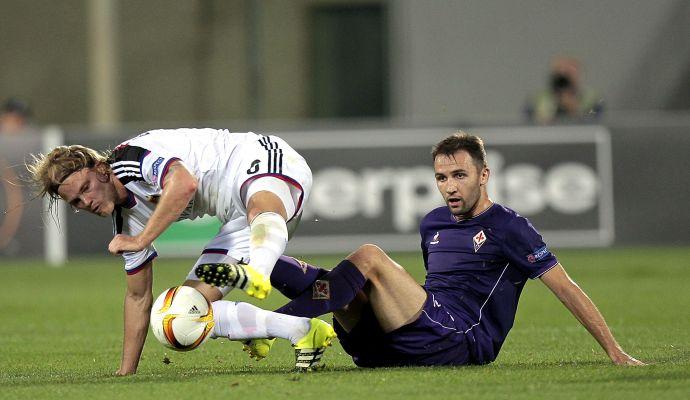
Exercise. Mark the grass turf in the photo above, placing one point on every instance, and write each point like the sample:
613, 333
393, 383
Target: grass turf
61, 332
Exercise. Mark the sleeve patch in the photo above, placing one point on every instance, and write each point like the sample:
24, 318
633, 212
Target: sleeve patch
538, 254
155, 167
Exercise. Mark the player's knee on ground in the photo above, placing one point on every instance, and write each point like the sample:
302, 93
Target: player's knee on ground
370, 260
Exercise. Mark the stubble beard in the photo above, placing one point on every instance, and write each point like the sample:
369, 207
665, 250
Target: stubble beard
466, 210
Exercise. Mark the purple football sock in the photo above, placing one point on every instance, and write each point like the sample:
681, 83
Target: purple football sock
292, 277
328, 293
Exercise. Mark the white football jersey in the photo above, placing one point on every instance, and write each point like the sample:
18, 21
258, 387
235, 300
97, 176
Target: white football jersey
223, 162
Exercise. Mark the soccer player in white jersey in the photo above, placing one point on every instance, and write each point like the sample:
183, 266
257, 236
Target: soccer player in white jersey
256, 185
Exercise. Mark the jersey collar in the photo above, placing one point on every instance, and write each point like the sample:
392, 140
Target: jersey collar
456, 220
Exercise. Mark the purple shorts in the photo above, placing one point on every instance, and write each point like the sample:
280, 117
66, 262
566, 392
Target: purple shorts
432, 339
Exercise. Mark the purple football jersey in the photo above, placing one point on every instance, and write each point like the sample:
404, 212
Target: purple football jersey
477, 268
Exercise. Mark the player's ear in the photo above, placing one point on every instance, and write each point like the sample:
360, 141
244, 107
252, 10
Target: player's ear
103, 170
484, 177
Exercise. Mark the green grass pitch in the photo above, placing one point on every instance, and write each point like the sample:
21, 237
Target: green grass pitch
61, 332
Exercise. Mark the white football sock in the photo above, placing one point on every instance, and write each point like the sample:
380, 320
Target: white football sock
242, 321
268, 238
287, 326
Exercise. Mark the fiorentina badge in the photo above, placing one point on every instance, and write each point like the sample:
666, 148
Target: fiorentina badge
478, 240
322, 290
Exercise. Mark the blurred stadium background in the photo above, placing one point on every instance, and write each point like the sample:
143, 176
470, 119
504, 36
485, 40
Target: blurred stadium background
362, 89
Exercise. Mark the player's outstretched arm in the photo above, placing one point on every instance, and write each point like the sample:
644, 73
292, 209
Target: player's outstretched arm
138, 300
179, 187
582, 307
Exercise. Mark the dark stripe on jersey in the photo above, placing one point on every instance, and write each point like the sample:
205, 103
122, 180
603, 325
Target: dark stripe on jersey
275, 155
270, 161
117, 220
215, 251
128, 153
280, 161
143, 155
131, 156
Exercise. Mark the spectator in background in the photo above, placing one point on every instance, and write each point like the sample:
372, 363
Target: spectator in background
566, 98
15, 117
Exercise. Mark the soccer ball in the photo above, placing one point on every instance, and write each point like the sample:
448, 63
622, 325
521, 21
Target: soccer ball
181, 318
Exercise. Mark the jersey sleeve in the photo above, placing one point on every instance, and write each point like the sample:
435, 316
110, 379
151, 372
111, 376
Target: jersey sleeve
134, 260
526, 250
134, 163
424, 246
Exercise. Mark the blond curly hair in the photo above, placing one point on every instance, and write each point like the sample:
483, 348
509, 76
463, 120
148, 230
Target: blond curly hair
49, 171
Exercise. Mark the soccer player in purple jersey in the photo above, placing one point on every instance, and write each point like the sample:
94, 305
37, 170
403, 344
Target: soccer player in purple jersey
478, 256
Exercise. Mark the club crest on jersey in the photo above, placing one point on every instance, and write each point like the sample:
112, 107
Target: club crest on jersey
435, 239
478, 240
322, 290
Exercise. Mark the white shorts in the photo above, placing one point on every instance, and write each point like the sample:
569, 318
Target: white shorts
271, 157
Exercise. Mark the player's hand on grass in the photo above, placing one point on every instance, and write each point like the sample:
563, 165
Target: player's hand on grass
626, 360
123, 243
125, 372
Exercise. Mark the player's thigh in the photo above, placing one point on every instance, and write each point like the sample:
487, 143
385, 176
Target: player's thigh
395, 297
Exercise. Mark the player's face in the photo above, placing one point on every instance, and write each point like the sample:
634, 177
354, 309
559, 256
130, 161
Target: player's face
90, 191
460, 182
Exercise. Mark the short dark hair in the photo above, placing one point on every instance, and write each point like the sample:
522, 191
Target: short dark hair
16, 106
473, 145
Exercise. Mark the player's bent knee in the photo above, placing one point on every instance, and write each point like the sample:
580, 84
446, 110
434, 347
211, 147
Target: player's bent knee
365, 254
368, 258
